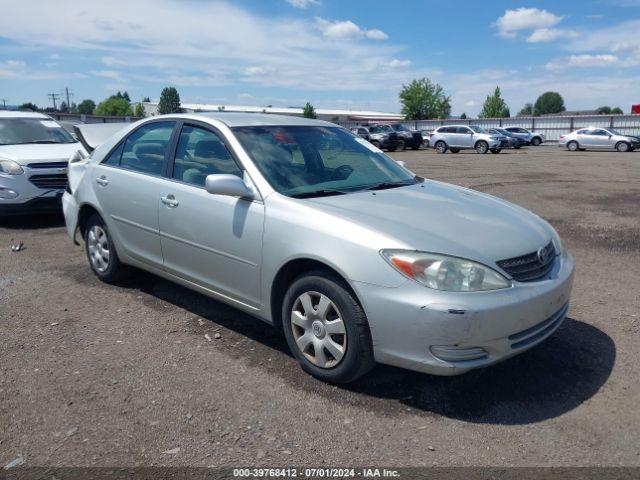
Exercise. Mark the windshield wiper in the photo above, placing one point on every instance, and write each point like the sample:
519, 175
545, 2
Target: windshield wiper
387, 185
38, 142
325, 192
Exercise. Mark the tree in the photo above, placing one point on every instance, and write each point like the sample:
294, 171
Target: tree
86, 107
139, 110
606, 110
527, 110
146, 99
125, 95
616, 111
548, 102
308, 111
73, 108
29, 106
63, 107
169, 101
114, 105
463, 116
495, 106
422, 99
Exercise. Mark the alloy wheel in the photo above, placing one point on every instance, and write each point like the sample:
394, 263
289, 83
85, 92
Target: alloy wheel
98, 246
318, 329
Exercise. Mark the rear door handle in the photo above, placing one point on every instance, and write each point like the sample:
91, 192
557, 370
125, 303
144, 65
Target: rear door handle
170, 201
102, 180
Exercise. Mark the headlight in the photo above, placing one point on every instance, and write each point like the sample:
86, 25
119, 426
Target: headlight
9, 167
442, 272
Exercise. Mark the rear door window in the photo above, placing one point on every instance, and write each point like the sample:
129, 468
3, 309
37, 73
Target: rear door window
145, 149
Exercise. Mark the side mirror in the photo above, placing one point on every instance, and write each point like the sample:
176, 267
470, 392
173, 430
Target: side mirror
229, 185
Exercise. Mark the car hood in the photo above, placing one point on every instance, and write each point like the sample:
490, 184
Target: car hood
442, 218
38, 153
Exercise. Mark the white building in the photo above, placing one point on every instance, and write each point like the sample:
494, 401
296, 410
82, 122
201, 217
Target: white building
331, 115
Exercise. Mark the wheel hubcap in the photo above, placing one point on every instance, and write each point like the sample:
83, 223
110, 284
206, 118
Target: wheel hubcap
318, 329
98, 246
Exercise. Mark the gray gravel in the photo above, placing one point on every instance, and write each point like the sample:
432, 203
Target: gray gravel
149, 373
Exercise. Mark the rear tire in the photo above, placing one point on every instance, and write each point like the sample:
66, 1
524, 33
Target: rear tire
339, 331
101, 252
482, 147
441, 147
622, 147
536, 141
573, 146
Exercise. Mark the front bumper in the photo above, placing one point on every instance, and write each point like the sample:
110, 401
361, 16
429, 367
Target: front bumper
448, 333
35, 190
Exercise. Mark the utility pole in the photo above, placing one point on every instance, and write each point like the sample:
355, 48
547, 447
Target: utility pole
69, 94
4, 103
53, 97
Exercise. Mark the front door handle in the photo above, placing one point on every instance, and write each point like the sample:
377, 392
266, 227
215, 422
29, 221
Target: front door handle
102, 180
170, 201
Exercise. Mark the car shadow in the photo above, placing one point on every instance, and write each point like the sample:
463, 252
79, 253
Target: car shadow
33, 221
545, 382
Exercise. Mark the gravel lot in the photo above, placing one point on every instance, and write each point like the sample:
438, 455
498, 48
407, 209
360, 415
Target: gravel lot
99, 375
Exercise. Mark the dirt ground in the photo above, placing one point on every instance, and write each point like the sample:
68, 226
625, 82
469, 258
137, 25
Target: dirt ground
100, 375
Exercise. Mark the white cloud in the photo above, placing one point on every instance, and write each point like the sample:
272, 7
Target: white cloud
395, 63
586, 60
257, 70
519, 19
18, 69
303, 3
550, 35
347, 30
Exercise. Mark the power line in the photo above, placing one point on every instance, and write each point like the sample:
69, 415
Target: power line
53, 97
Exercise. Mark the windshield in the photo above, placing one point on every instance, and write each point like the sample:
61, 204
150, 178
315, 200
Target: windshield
15, 131
477, 129
398, 127
309, 161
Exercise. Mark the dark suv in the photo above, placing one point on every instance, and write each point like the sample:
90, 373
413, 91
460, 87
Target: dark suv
406, 137
384, 137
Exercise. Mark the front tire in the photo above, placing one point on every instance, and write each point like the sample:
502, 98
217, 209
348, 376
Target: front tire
326, 328
401, 145
536, 141
101, 252
441, 147
622, 147
573, 146
482, 147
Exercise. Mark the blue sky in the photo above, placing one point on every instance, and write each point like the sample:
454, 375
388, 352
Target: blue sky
342, 54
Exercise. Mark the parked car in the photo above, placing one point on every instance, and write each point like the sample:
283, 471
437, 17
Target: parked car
463, 137
511, 141
362, 132
354, 257
426, 135
531, 138
384, 137
597, 139
34, 155
407, 138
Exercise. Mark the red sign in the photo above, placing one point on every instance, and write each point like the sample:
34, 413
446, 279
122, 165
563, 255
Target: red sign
635, 109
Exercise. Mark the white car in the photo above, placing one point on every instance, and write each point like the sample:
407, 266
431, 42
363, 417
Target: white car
34, 157
531, 138
598, 138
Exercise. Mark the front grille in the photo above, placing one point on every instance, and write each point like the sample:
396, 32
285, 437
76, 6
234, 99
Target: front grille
393, 137
504, 143
53, 181
48, 165
531, 266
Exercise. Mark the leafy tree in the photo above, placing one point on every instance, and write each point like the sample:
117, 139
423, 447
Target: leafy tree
616, 111
495, 106
146, 99
86, 107
548, 102
139, 110
125, 95
527, 110
114, 105
63, 107
169, 101
463, 116
308, 111
73, 108
29, 106
422, 99
606, 110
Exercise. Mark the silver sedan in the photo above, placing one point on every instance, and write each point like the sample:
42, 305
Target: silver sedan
317, 232
598, 139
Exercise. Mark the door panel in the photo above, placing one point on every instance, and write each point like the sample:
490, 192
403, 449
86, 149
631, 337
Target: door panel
212, 240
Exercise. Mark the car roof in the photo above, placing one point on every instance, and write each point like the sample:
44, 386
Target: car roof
18, 114
233, 119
